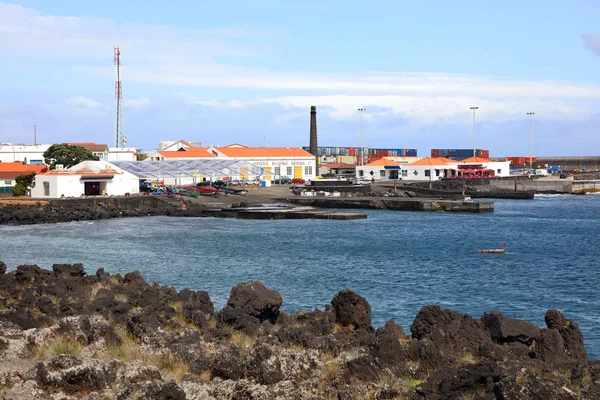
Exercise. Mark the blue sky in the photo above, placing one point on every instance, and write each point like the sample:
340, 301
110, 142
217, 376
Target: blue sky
248, 72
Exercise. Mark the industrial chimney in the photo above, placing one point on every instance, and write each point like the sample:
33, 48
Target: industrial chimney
313, 148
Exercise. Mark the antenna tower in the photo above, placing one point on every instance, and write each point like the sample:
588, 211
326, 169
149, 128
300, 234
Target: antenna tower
120, 138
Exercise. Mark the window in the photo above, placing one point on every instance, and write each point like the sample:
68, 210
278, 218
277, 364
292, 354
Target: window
499, 171
46, 188
308, 170
361, 173
289, 171
437, 172
277, 170
427, 172
404, 172
382, 173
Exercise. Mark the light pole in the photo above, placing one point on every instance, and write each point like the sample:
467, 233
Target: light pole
362, 149
530, 141
474, 108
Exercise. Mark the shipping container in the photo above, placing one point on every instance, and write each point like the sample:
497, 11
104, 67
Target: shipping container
410, 153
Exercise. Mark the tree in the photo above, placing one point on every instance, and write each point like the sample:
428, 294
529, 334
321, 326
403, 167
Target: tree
67, 155
24, 182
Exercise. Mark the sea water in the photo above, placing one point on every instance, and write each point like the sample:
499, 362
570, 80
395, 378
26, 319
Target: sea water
399, 261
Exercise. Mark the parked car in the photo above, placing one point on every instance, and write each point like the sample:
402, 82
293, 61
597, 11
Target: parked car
298, 180
361, 182
284, 180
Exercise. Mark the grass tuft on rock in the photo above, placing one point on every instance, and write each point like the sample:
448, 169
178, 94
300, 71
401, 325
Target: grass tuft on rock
61, 345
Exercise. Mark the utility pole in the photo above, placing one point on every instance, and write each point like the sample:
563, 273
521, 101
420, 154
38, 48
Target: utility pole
530, 141
34, 136
474, 151
362, 149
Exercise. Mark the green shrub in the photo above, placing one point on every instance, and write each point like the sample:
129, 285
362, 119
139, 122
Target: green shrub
19, 190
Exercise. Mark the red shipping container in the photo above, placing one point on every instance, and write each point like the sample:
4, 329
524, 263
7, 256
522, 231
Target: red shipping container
485, 154
434, 153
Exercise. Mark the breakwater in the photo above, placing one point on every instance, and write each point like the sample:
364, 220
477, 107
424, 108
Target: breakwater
394, 203
68, 333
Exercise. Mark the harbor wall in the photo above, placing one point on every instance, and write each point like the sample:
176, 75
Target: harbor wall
537, 185
122, 203
586, 186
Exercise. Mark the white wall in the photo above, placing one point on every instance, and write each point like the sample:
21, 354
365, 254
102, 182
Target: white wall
71, 185
67, 185
377, 170
7, 182
407, 172
122, 154
29, 153
123, 183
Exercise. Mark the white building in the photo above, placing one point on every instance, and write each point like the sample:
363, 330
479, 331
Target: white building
88, 178
25, 153
435, 168
382, 169
275, 162
34, 154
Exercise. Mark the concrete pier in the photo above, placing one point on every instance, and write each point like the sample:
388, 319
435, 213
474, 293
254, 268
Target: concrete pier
395, 203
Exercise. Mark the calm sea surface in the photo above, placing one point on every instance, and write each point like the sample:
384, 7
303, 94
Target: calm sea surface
399, 261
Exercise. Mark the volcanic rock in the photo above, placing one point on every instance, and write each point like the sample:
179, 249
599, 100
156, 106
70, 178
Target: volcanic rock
256, 300
452, 333
352, 309
507, 330
68, 270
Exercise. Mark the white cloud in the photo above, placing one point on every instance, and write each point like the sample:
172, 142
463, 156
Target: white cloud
77, 105
192, 58
81, 101
141, 102
24, 31
422, 109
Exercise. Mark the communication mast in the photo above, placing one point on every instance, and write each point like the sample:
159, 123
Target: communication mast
120, 138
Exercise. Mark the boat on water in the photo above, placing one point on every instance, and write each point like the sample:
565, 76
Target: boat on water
492, 251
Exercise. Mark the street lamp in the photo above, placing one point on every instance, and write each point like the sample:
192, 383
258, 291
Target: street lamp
362, 149
474, 108
530, 141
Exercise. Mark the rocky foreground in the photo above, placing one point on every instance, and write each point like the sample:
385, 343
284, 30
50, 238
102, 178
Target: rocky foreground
68, 335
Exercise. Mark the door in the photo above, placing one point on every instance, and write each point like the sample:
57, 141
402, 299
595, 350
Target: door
92, 188
297, 172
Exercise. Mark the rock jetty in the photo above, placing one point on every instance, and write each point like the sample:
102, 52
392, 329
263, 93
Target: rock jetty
94, 209
65, 334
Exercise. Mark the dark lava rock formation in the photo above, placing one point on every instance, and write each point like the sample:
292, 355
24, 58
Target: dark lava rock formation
85, 210
65, 334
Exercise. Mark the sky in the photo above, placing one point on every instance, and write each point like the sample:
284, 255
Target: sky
247, 72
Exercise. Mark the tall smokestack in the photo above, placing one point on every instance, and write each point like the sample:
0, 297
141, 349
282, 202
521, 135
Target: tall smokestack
313, 148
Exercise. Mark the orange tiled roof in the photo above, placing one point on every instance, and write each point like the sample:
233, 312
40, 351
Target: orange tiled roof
193, 152
238, 152
20, 167
382, 162
476, 160
90, 146
264, 152
429, 161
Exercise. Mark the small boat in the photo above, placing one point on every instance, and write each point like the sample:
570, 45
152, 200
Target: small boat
493, 251
239, 192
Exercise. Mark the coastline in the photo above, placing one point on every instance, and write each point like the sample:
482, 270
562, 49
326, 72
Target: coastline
87, 336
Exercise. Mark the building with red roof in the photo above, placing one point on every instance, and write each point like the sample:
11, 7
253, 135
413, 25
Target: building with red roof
10, 170
276, 162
